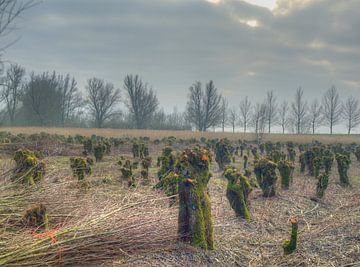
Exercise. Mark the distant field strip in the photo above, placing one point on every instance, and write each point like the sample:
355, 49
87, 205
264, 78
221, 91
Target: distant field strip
158, 134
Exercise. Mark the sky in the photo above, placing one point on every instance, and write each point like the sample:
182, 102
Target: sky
245, 47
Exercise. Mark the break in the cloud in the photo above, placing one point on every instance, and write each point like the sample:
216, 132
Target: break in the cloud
246, 47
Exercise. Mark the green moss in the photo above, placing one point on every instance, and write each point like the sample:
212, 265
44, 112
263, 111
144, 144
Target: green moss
127, 174
343, 162
291, 154
328, 159
167, 162
80, 167
302, 160
99, 151
223, 153
309, 160
290, 245
317, 163
276, 155
28, 170
245, 161
36, 216
322, 184
88, 146
286, 169
357, 153
237, 192
195, 222
265, 171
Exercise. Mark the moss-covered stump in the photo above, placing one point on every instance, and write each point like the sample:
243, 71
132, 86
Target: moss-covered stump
276, 155
167, 162
322, 184
223, 153
195, 222
171, 186
29, 169
237, 192
88, 146
286, 170
317, 163
99, 151
328, 159
291, 154
265, 171
357, 153
140, 150
245, 162
343, 162
309, 160
289, 246
143, 151
135, 150
127, 173
302, 161
80, 167
36, 216
146, 164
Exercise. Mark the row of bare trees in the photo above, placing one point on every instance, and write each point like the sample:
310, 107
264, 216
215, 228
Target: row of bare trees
49, 99
299, 116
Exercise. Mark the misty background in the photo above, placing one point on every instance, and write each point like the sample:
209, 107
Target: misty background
247, 48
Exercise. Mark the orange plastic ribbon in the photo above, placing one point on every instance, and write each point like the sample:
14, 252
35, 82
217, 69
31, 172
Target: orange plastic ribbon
52, 235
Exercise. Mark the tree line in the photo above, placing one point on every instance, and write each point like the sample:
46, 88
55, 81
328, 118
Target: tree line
206, 109
51, 99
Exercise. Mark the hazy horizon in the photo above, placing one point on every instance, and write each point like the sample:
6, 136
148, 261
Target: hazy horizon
245, 47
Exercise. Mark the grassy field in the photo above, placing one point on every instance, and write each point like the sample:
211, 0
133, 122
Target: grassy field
154, 134
109, 224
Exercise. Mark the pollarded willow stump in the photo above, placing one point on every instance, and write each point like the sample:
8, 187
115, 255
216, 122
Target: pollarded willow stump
166, 162
266, 176
289, 246
237, 192
223, 153
343, 162
29, 169
322, 184
195, 223
286, 170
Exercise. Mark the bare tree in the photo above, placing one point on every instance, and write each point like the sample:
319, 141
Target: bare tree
315, 115
204, 109
70, 98
299, 110
245, 112
271, 109
284, 115
40, 100
224, 113
259, 119
9, 11
233, 117
101, 100
141, 100
12, 90
331, 108
351, 113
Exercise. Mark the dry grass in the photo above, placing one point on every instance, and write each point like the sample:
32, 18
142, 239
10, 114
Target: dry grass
157, 134
111, 225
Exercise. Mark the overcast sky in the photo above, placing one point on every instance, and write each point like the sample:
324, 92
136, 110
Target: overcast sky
246, 47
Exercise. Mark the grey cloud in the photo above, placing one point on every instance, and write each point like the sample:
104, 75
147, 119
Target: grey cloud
172, 43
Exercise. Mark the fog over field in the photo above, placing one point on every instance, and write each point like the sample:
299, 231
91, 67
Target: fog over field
246, 47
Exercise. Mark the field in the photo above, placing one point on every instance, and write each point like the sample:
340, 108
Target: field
158, 134
107, 223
